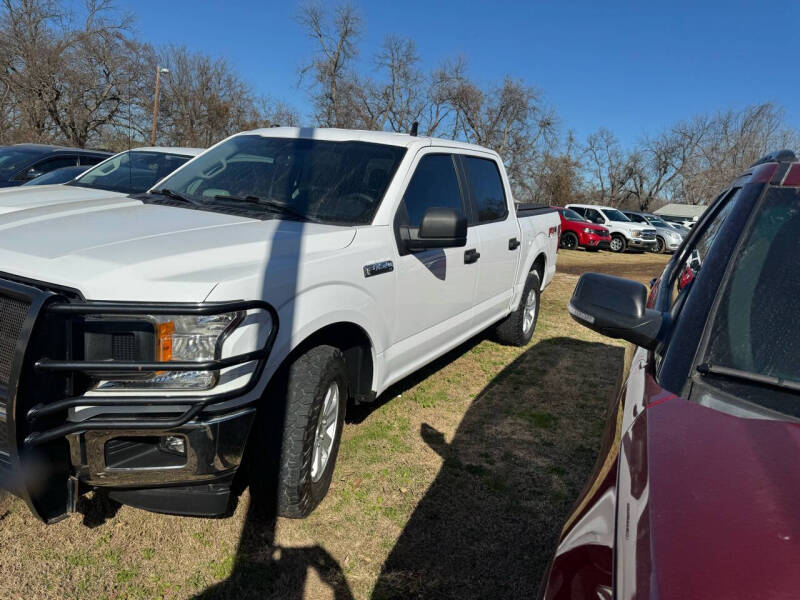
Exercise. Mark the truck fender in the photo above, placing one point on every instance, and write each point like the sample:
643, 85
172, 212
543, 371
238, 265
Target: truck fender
319, 307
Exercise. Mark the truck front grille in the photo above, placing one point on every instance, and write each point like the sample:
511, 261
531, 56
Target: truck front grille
649, 234
12, 315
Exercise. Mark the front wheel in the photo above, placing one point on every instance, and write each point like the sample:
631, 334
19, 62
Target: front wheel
618, 243
661, 245
305, 411
569, 241
518, 327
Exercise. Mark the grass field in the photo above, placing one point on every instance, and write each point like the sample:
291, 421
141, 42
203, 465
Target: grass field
454, 484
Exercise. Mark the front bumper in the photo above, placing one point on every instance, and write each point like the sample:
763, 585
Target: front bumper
48, 458
642, 243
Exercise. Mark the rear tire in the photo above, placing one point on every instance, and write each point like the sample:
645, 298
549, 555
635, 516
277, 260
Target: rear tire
569, 241
618, 243
518, 327
296, 435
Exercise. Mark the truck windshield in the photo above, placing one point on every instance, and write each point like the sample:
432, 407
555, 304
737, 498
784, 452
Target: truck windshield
614, 215
327, 181
756, 328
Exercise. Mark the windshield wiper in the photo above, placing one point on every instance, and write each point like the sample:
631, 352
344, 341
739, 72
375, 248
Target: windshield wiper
268, 203
174, 195
771, 380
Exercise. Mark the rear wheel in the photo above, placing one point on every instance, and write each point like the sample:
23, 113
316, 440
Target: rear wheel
518, 327
569, 241
304, 410
618, 243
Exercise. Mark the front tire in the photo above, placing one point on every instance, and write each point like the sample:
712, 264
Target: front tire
618, 243
569, 241
518, 327
661, 245
305, 411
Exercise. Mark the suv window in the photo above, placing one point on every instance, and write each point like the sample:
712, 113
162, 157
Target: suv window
572, 215
691, 261
47, 165
91, 159
434, 184
488, 193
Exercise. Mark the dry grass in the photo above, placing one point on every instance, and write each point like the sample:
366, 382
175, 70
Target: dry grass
453, 485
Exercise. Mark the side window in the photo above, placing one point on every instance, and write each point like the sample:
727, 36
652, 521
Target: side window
434, 184
488, 193
579, 209
691, 260
91, 159
47, 165
594, 216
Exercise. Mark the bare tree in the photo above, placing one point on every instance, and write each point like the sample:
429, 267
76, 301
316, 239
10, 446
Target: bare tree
607, 168
332, 82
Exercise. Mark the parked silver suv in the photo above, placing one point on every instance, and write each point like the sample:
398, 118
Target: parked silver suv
668, 238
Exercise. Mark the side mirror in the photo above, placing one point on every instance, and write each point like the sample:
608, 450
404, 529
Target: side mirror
32, 173
617, 308
440, 228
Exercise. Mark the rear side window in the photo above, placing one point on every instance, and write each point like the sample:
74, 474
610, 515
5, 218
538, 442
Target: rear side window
434, 184
487, 189
594, 216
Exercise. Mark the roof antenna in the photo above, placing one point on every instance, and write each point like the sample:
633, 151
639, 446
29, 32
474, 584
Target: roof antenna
414, 128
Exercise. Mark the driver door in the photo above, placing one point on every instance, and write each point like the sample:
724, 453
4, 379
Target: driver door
435, 288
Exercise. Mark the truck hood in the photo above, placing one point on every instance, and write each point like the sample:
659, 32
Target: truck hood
119, 248
21, 198
723, 513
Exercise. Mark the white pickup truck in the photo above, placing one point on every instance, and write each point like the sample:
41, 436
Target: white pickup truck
151, 344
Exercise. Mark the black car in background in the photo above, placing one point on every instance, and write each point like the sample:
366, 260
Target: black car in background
62, 175
22, 162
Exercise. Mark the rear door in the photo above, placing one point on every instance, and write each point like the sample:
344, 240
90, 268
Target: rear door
498, 233
436, 287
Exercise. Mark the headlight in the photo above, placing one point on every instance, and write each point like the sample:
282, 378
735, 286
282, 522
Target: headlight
159, 338
637, 233
588, 230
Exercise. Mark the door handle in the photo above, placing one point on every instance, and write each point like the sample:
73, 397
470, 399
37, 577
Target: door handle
513, 244
471, 256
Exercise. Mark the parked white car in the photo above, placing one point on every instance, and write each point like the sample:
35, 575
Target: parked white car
624, 232
129, 172
148, 340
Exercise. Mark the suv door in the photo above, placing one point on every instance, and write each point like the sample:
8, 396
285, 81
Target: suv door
435, 287
498, 233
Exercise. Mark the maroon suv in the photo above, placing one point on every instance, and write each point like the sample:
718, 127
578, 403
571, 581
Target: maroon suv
578, 232
695, 493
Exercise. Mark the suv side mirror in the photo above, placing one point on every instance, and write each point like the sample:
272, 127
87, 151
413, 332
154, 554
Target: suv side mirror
440, 228
615, 307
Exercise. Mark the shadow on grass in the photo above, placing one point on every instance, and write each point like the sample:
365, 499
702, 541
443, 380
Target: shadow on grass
489, 523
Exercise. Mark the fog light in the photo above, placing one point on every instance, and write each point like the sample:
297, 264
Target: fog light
174, 444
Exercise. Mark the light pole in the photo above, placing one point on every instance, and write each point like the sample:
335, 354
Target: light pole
159, 71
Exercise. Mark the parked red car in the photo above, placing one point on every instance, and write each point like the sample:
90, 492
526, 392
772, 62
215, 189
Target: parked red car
694, 494
577, 231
